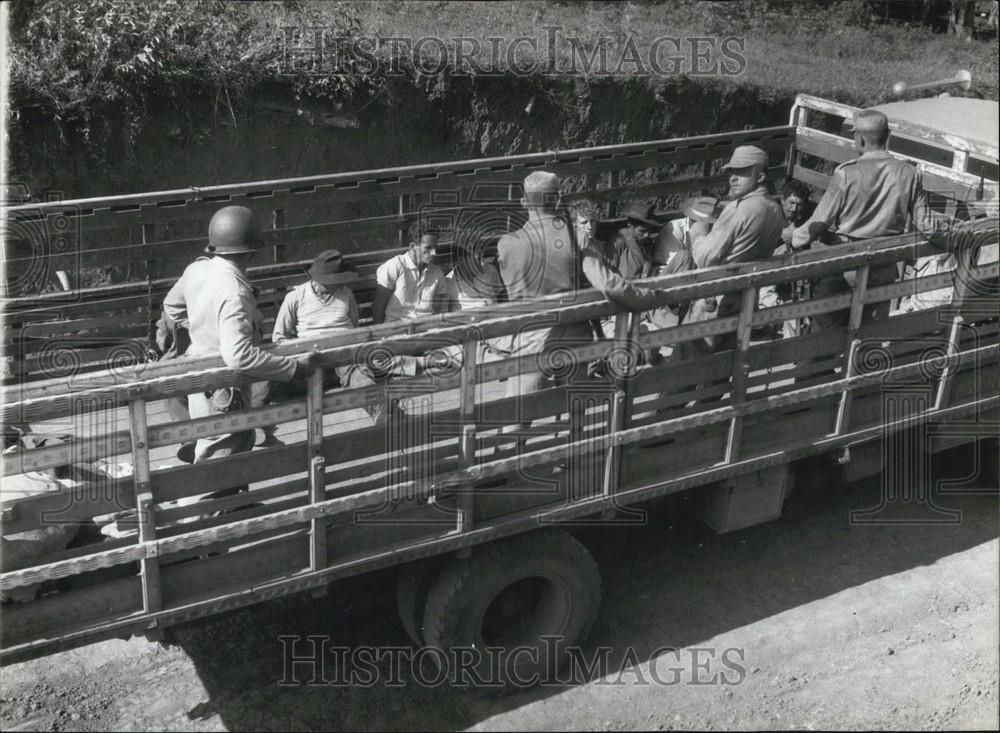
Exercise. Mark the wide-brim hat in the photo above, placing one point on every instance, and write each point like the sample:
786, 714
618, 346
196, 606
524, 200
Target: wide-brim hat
702, 208
645, 214
329, 268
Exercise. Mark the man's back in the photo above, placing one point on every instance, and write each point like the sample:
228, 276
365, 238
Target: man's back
214, 300
538, 259
875, 195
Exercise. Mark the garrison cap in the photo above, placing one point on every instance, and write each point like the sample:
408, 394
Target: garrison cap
541, 181
871, 120
745, 156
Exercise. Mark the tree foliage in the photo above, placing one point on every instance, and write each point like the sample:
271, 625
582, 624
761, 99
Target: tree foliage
70, 58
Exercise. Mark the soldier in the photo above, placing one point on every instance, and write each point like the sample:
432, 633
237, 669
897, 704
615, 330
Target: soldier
748, 229
540, 259
874, 195
214, 301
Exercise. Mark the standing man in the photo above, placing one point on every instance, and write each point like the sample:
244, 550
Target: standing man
539, 259
214, 301
874, 195
748, 229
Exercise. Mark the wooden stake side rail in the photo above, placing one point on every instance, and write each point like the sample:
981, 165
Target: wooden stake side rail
433, 488
29, 402
127, 622
911, 130
77, 226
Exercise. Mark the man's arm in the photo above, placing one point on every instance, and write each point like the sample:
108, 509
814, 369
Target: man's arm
709, 248
385, 286
382, 295
286, 323
352, 308
826, 213
175, 305
238, 349
613, 286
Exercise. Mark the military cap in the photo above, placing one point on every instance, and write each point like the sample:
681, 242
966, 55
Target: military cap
745, 156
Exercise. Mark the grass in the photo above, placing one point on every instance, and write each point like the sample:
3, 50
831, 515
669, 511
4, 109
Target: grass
806, 48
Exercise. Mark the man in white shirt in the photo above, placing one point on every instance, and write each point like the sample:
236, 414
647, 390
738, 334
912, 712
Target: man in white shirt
410, 285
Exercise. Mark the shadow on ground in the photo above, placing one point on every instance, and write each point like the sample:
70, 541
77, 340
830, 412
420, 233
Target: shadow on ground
671, 582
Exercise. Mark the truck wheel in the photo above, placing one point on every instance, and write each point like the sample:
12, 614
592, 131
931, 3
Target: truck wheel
413, 583
507, 596
991, 459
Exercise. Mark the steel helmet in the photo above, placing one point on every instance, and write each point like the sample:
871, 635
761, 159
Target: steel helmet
233, 230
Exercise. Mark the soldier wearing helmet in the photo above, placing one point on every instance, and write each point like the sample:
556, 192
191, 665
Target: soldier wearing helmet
214, 301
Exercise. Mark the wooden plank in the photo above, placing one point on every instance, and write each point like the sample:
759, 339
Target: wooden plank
317, 467
149, 567
839, 150
185, 203
467, 412
741, 372
514, 523
851, 347
496, 321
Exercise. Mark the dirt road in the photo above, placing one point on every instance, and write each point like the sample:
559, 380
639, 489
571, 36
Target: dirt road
833, 624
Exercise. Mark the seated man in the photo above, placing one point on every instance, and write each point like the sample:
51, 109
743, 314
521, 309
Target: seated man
674, 245
474, 283
408, 286
321, 306
633, 251
796, 208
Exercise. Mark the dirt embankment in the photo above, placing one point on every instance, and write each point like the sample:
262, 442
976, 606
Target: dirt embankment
201, 141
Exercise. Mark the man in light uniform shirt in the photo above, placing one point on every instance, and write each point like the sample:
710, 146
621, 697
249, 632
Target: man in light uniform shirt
748, 229
536, 260
214, 301
875, 195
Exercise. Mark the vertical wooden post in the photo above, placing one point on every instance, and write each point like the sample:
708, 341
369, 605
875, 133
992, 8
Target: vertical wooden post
741, 370
317, 467
467, 412
612, 456
401, 235
964, 263
851, 347
149, 568
613, 203
277, 222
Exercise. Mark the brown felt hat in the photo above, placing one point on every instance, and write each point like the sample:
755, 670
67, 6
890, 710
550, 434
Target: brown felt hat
329, 268
645, 214
702, 208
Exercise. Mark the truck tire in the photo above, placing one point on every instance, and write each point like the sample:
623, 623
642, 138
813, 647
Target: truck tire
412, 584
509, 595
991, 460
